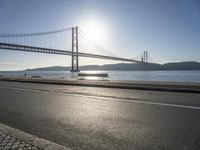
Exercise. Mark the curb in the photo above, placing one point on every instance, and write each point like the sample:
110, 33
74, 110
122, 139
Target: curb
138, 85
11, 138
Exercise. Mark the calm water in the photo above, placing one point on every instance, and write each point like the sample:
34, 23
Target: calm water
169, 76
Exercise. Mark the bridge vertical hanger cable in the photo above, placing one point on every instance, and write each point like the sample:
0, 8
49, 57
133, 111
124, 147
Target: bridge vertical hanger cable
33, 34
35, 38
138, 57
95, 44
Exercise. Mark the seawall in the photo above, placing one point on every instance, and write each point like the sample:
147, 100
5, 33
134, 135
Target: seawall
139, 85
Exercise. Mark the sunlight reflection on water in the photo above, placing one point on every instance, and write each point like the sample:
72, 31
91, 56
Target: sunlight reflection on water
168, 76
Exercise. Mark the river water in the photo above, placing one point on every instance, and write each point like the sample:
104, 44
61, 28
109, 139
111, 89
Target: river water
166, 76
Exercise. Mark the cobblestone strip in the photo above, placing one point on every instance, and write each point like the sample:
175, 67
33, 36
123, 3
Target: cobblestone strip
14, 139
11, 143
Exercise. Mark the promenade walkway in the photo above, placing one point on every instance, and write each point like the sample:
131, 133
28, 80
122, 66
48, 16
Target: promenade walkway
14, 139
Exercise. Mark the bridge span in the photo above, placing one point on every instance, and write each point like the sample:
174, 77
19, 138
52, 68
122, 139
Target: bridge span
7, 44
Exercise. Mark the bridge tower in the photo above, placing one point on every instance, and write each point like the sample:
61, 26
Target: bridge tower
145, 56
75, 60
145, 60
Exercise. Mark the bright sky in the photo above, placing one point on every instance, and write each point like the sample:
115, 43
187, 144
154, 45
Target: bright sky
168, 29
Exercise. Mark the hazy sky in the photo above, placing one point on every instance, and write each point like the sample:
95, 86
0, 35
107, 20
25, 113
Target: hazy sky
168, 29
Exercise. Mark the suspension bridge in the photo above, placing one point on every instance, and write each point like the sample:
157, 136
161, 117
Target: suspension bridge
54, 42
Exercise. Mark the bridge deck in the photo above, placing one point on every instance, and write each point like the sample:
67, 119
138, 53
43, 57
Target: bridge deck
25, 48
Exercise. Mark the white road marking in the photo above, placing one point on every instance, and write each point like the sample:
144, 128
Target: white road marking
106, 98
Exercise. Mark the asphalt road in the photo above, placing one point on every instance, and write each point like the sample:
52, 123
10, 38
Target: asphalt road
92, 118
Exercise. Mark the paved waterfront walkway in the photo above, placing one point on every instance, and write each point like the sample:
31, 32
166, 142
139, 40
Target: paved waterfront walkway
10, 142
13, 139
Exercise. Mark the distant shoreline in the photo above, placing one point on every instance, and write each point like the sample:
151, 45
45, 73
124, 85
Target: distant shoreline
175, 66
87, 70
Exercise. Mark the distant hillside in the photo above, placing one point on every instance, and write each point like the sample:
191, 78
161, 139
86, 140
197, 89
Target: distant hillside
129, 66
124, 66
182, 66
53, 68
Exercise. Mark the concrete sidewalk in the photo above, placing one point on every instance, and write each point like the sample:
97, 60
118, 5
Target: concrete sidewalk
12, 139
140, 85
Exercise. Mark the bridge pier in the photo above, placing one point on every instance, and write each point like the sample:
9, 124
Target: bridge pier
75, 59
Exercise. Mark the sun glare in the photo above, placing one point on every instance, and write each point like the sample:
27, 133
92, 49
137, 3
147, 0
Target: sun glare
95, 29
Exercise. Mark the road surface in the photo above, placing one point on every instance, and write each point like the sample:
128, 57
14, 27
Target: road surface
92, 118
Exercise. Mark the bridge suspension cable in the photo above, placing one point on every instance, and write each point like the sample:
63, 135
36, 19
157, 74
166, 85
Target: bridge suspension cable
55, 42
95, 44
56, 39
4, 35
138, 57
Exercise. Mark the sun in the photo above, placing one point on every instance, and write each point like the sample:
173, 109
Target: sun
95, 29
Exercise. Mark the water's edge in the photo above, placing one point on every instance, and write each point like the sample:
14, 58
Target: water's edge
162, 76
